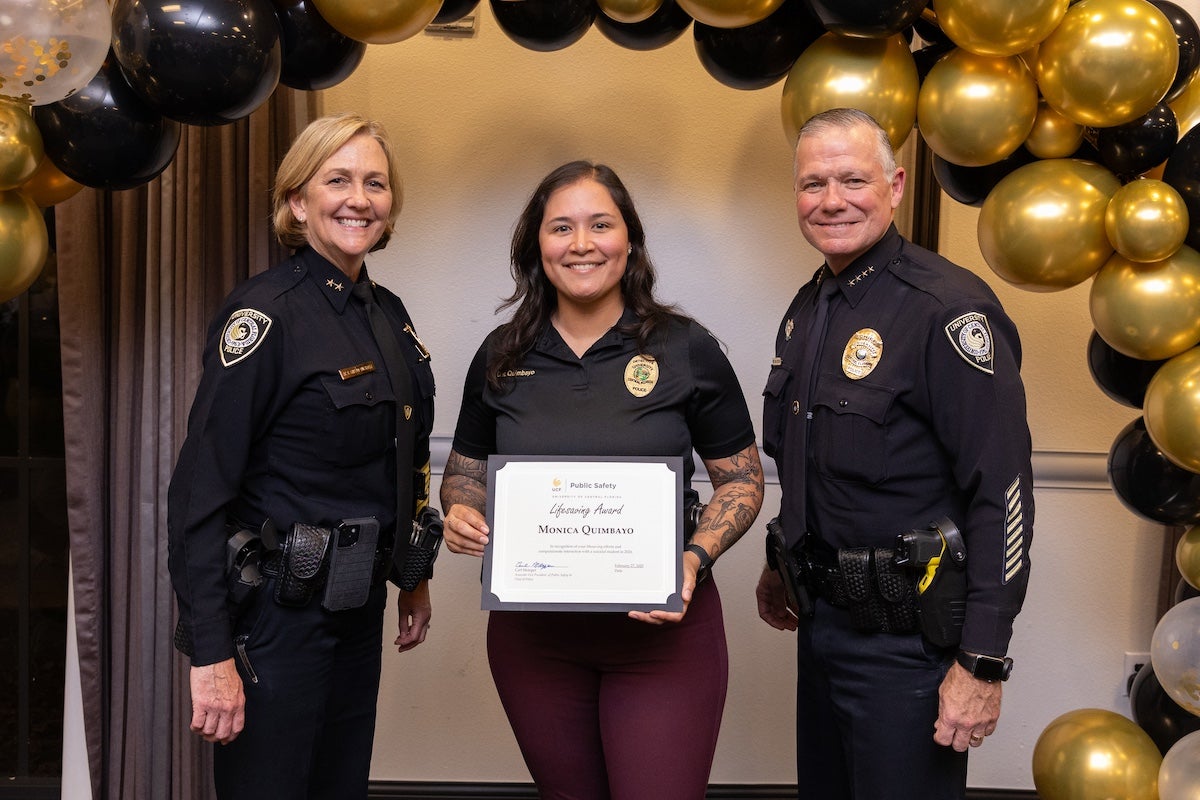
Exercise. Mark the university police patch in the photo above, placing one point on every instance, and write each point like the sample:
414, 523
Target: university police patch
641, 375
972, 339
244, 332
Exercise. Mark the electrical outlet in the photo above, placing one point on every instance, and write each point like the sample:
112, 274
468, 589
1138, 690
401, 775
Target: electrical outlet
1133, 662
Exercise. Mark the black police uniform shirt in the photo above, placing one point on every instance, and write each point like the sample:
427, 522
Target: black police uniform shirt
293, 420
614, 401
918, 412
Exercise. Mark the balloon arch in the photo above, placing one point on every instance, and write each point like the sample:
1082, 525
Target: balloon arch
1071, 125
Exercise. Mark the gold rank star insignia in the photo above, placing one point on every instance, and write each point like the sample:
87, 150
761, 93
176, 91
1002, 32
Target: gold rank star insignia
337, 287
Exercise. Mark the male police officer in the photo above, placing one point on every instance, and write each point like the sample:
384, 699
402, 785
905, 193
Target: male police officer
894, 402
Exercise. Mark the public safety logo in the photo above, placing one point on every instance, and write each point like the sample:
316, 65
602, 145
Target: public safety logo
972, 339
244, 332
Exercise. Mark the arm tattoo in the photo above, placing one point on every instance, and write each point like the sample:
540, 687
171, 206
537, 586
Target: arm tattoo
464, 481
737, 497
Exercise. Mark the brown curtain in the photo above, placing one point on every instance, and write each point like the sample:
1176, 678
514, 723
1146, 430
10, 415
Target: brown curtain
140, 273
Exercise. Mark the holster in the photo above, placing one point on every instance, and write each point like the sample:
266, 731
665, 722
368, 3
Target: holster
941, 553
302, 564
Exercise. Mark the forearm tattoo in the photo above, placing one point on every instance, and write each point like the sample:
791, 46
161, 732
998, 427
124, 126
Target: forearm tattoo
464, 481
737, 497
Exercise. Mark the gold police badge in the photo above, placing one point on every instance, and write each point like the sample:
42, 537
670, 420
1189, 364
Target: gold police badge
862, 353
641, 375
244, 332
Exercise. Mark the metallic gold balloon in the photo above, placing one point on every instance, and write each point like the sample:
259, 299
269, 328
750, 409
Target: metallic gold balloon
1108, 62
1042, 227
1094, 753
378, 21
1187, 556
998, 27
24, 244
725, 13
629, 11
1148, 311
877, 76
49, 186
1053, 135
1172, 411
1146, 220
976, 110
20, 144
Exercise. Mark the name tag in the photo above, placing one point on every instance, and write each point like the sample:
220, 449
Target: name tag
358, 369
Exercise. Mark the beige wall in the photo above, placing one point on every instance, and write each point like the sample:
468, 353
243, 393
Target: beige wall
478, 121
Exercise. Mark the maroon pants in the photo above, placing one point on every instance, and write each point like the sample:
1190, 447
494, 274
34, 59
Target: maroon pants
605, 707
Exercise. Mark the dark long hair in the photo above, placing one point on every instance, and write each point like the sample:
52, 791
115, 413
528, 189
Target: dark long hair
535, 297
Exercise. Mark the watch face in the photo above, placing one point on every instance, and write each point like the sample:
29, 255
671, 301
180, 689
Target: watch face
986, 668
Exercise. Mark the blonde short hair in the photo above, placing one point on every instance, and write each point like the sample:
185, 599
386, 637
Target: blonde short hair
313, 146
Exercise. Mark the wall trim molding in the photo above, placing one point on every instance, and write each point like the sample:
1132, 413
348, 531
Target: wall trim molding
1052, 469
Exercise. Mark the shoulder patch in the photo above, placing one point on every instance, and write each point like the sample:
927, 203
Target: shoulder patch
244, 332
971, 337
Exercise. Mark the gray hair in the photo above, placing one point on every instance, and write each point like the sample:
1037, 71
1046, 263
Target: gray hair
841, 119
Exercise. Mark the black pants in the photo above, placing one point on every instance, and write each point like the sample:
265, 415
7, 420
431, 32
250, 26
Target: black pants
865, 708
310, 717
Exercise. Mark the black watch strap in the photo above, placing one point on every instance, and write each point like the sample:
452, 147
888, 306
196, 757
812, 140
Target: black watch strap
706, 561
986, 668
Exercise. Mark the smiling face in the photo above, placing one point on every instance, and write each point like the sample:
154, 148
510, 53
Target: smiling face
585, 246
345, 204
844, 199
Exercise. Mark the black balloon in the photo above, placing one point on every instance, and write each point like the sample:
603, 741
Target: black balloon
929, 32
544, 25
757, 55
1156, 713
1182, 172
454, 10
1122, 378
868, 18
1184, 591
929, 55
971, 185
661, 28
105, 136
1147, 483
315, 54
1188, 36
1131, 149
203, 62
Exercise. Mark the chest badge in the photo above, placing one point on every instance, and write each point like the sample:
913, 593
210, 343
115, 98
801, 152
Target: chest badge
244, 332
862, 354
641, 375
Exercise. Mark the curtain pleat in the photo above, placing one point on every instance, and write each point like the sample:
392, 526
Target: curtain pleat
140, 273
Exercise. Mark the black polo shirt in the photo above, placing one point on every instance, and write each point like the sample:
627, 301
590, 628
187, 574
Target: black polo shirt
612, 401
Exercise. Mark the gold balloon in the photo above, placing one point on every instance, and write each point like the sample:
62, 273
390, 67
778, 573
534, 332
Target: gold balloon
877, 76
1108, 62
378, 21
725, 13
1172, 409
1148, 311
48, 186
976, 110
998, 27
1187, 556
1146, 220
1053, 135
1041, 227
629, 11
24, 244
1095, 753
20, 144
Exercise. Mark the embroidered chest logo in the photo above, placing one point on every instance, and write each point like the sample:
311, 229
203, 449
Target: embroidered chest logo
862, 353
972, 339
641, 375
244, 332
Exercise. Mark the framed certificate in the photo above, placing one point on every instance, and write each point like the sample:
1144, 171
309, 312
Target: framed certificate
584, 534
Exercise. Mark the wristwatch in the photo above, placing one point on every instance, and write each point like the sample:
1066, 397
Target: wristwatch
706, 561
986, 668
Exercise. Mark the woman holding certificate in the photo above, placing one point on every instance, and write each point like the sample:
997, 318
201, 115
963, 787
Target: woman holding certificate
605, 705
